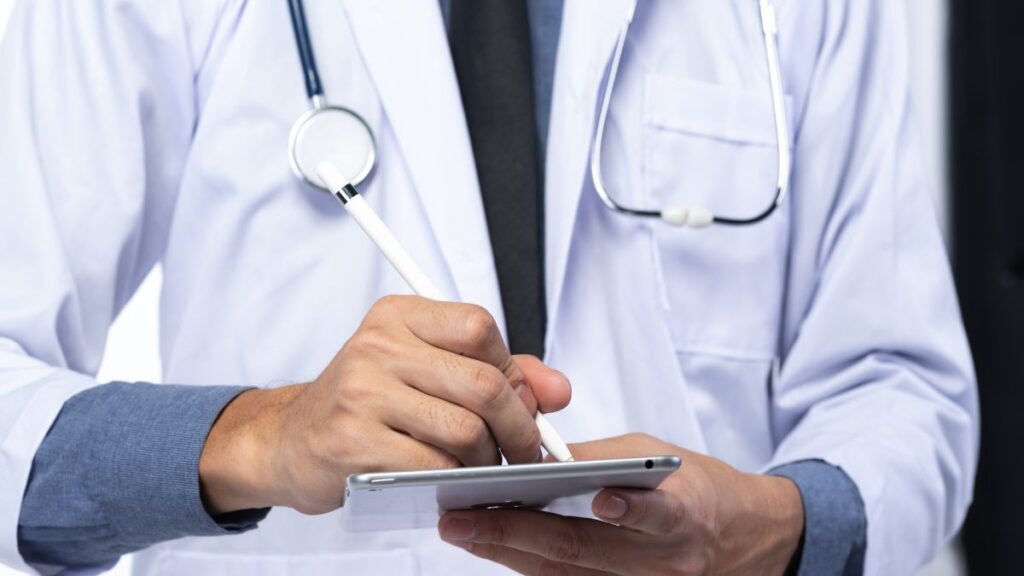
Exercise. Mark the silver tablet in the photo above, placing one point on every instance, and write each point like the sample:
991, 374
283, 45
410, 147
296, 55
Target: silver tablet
402, 500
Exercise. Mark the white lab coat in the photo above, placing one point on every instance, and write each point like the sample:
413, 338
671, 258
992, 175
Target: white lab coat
144, 131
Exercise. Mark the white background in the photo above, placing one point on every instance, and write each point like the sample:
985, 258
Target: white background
132, 346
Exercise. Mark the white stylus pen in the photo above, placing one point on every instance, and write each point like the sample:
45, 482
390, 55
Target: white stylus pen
411, 272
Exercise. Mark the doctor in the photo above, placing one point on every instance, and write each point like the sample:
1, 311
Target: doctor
810, 368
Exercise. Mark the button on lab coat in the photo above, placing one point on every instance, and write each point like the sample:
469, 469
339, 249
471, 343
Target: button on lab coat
138, 132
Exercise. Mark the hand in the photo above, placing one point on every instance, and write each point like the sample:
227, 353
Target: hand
420, 385
707, 518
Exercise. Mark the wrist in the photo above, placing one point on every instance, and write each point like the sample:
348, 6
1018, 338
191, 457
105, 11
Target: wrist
779, 505
237, 468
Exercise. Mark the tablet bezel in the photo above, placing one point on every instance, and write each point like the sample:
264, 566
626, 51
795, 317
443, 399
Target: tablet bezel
522, 472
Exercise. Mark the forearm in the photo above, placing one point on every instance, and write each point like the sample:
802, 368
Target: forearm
909, 458
119, 471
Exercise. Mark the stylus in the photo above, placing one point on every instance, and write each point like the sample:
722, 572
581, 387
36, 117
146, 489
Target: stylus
411, 272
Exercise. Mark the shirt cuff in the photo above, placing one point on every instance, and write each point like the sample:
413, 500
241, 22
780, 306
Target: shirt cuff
835, 522
119, 471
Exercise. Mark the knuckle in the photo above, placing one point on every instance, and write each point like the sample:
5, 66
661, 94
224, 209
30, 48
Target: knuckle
487, 552
369, 341
478, 327
514, 375
567, 546
354, 392
352, 348
388, 306
489, 384
469, 430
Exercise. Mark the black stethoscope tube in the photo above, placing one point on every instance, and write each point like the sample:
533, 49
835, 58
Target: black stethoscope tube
310, 74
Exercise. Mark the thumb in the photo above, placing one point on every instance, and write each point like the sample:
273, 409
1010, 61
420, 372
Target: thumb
655, 512
549, 386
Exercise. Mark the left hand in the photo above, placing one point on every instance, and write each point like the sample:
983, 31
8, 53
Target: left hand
706, 518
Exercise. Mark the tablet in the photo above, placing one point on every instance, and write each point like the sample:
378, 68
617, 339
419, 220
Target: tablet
404, 500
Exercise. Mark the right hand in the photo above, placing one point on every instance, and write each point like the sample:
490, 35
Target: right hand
420, 385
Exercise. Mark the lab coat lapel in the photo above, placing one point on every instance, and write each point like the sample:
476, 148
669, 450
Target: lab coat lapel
589, 31
406, 51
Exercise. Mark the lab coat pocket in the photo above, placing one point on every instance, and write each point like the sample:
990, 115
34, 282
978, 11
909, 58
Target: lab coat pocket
730, 399
714, 147
175, 562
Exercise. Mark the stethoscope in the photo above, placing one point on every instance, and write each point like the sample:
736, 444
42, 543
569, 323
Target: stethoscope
325, 132
341, 136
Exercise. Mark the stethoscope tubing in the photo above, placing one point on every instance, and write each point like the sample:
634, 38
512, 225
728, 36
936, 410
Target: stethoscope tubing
310, 74
319, 108
698, 217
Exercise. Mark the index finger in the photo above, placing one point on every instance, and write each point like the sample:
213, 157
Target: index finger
470, 330
486, 379
483, 390
465, 329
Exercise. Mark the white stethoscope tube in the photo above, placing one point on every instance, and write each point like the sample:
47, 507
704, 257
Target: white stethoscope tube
699, 216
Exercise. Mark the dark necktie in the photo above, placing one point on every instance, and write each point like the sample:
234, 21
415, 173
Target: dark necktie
490, 45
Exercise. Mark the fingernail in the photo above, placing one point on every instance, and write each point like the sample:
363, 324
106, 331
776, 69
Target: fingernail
614, 507
458, 529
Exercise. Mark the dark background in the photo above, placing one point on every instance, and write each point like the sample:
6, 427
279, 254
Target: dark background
987, 149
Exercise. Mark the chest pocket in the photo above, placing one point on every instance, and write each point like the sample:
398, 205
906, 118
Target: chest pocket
714, 146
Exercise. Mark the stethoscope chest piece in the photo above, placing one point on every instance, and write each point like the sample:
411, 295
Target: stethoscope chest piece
331, 134
325, 133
